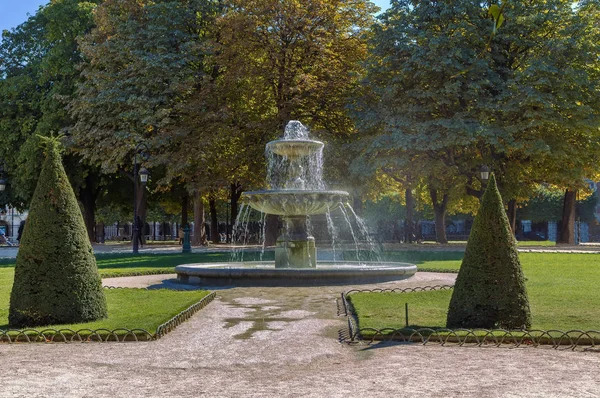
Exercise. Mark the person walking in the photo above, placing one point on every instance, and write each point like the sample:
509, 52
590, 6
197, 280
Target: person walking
181, 235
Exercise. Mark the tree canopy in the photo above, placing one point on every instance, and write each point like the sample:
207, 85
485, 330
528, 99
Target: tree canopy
449, 94
423, 95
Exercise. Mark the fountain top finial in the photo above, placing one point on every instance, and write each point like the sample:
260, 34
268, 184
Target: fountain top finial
295, 130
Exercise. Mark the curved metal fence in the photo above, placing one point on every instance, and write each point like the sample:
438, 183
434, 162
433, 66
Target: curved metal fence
51, 335
571, 339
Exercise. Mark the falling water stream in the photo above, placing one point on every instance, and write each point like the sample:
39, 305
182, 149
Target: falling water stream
292, 171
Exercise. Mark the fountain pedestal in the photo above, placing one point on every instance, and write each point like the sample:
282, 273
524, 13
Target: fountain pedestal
296, 248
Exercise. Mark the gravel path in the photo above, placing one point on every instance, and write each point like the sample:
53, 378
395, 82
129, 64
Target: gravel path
271, 342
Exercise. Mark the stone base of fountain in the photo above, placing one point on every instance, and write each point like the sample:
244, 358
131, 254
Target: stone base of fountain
266, 274
291, 253
296, 248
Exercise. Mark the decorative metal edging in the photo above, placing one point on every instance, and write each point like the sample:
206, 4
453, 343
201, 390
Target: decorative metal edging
438, 270
571, 339
183, 316
51, 335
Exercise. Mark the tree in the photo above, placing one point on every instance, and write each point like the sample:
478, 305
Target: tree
448, 94
141, 61
289, 60
56, 277
295, 60
424, 121
38, 73
490, 287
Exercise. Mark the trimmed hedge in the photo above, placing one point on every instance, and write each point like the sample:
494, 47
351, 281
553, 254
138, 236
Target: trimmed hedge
490, 286
56, 277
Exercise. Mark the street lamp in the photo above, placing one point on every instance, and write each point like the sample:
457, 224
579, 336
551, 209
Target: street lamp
143, 175
2, 184
484, 171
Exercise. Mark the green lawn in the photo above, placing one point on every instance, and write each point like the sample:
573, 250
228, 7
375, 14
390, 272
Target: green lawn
128, 308
562, 289
545, 243
125, 263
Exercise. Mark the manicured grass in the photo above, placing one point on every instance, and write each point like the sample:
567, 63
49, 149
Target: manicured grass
562, 290
127, 308
427, 259
545, 243
151, 261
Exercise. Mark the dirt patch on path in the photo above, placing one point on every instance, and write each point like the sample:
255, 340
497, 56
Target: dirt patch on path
275, 342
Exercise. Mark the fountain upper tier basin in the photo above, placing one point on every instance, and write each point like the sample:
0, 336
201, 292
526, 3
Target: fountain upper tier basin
294, 148
265, 274
294, 202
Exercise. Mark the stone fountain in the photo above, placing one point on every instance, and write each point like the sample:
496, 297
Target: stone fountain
296, 196
296, 192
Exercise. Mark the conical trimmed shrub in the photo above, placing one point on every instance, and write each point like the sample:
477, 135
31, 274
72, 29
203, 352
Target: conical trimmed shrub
490, 287
56, 277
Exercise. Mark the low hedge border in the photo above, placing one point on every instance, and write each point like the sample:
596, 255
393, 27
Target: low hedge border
571, 339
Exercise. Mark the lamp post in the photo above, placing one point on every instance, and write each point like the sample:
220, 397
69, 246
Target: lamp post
143, 175
2, 184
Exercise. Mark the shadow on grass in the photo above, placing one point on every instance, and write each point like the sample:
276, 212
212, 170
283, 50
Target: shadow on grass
150, 260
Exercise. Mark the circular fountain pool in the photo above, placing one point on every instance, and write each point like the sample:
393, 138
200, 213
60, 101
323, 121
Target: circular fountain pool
297, 192
257, 273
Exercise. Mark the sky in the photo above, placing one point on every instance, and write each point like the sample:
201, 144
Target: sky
14, 12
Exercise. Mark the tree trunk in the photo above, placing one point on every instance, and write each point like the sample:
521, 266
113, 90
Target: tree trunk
236, 192
271, 229
512, 214
87, 198
185, 202
440, 209
199, 238
410, 215
214, 221
567, 228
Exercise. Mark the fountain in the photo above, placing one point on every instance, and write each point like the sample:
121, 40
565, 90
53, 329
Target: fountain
297, 192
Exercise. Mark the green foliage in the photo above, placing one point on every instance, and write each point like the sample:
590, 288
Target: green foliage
490, 287
141, 60
56, 278
446, 97
546, 204
38, 72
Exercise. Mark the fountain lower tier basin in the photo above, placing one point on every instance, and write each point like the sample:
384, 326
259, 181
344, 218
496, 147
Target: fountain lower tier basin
294, 202
265, 274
